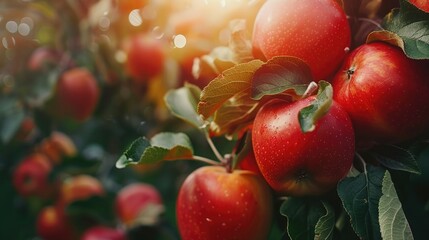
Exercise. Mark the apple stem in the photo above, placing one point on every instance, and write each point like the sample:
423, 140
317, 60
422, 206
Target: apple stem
206, 160
362, 161
213, 147
372, 22
312, 87
227, 162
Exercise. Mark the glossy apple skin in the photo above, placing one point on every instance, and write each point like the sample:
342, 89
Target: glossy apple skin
302, 164
133, 199
52, 224
421, 4
316, 31
79, 187
30, 178
215, 204
249, 163
77, 94
145, 58
103, 233
385, 94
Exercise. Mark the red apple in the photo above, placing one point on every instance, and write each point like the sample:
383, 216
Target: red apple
103, 233
300, 164
249, 163
52, 224
421, 4
317, 31
133, 200
30, 178
77, 94
79, 187
41, 57
385, 93
57, 146
215, 204
145, 58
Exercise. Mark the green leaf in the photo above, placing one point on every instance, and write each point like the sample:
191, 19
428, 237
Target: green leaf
325, 226
281, 74
412, 25
396, 158
360, 196
11, 116
308, 218
393, 223
163, 146
183, 102
309, 115
98, 208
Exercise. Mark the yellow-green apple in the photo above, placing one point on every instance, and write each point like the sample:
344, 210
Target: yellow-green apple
145, 57
103, 233
137, 201
316, 31
30, 178
295, 163
52, 224
77, 94
385, 93
216, 204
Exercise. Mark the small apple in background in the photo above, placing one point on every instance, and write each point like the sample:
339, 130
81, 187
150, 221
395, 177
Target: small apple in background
57, 146
145, 58
26, 131
103, 233
41, 57
30, 178
137, 201
301, 164
385, 94
316, 31
77, 94
215, 204
52, 224
79, 187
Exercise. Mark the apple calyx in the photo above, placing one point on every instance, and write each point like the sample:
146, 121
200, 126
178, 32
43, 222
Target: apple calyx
350, 72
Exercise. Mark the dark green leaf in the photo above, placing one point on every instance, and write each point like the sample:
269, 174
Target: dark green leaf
183, 103
360, 196
325, 225
308, 218
281, 74
396, 158
393, 223
11, 116
96, 208
412, 26
309, 115
163, 146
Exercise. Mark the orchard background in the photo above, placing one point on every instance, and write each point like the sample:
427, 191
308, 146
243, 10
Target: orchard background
98, 97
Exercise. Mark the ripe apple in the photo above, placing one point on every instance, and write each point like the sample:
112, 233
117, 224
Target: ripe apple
57, 146
145, 58
301, 164
79, 187
385, 93
421, 4
52, 224
133, 200
77, 94
215, 204
316, 31
41, 57
30, 178
103, 233
249, 163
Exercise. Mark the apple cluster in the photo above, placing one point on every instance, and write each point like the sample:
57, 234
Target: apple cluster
379, 97
135, 204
